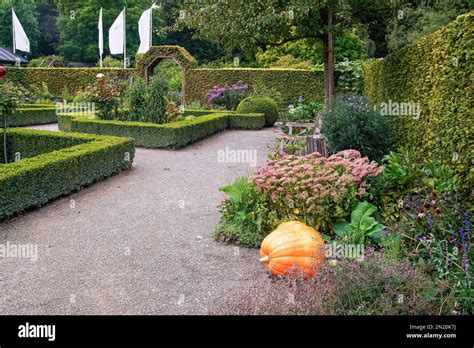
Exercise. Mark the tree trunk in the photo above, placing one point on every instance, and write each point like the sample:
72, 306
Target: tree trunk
328, 44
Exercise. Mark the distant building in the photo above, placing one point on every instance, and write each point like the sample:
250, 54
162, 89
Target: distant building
80, 65
8, 57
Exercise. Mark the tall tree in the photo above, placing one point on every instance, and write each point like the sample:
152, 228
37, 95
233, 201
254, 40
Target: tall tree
47, 22
410, 20
253, 25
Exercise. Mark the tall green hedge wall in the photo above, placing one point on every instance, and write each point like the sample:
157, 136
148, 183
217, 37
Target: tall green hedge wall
438, 73
290, 83
60, 79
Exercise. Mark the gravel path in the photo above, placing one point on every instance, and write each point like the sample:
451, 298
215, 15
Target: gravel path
137, 243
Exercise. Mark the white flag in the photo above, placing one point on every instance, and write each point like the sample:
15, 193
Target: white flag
116, 35
144, 29
101, 34
20, 40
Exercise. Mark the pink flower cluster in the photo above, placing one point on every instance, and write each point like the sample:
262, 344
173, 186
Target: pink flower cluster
313, 188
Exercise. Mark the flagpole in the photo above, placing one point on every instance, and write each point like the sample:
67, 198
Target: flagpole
124, 39
13, 28
151, 24
102, 43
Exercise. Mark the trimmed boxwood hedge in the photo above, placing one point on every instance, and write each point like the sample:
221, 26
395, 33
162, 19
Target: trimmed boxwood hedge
290, 83
171, 135
32, 115
60, 79
437, 72
63, 163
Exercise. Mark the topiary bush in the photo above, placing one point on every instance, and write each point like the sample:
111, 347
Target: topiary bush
138, 100
265, 106
157, 89
351, 123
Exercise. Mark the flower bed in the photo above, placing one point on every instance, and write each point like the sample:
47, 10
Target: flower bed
313, 189
55, 164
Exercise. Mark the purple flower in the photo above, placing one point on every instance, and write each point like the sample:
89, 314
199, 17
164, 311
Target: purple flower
467, 225
430, 222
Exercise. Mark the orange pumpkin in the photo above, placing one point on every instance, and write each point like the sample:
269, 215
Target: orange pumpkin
293, 247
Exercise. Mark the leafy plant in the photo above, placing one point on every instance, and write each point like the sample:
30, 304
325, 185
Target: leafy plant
138, 100
110, 62
158, 89
244, 214
362, 225
106, 94
351, 123
304, 112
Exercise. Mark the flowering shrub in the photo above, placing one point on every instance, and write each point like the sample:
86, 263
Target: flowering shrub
314, 189
227, 97
350, 123
106, 95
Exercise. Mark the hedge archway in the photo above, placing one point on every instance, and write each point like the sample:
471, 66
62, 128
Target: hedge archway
156, 54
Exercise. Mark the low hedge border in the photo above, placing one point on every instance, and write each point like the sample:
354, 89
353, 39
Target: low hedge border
32, 116
33, 181
171, 135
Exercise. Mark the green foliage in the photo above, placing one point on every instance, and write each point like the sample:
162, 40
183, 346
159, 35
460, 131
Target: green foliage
158, 89
309, 52
179, 54
304, 112
265, 106
137, 94
283, 85
59, 79
351, 123
10, 97
106, 95
47, 62
32, 116
405, 176
77, 24
54, 164
437, 73
172, 72
289, 62
168, 135
244, 214
110, 62
362, 225
416, 19
28, 16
